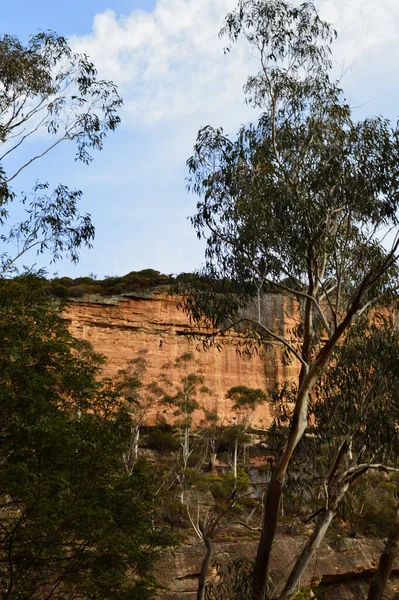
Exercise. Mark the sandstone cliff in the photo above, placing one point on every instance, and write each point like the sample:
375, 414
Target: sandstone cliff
121, 326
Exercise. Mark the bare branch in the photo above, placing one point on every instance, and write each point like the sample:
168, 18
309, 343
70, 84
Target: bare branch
29, 162
265, 330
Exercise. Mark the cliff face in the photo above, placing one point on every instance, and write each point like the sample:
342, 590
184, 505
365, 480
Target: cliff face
120, 327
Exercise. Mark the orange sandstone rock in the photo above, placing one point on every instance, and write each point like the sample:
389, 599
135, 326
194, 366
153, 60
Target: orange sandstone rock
120, 327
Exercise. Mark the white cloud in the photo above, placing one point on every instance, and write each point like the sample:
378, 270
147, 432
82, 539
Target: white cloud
174, 78
362, 25
170, 65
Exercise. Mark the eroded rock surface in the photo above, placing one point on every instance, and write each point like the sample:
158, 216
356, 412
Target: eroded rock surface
120, 327
344, 572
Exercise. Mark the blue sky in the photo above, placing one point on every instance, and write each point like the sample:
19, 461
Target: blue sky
75, 16
166, 57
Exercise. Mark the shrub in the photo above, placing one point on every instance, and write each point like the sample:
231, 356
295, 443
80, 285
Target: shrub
162, 440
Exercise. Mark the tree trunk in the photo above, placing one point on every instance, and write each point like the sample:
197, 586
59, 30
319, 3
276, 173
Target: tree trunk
389, 554
212, 462
293, 582
274, 493
130, 458
336, 491
235, 459
298, 427
136, 444
273, 496
203, 576
186, 446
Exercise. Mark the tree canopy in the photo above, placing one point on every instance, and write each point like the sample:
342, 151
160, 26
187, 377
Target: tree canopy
51, 95
74, 522
304, 202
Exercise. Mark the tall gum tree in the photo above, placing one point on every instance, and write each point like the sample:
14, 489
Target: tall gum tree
303, 202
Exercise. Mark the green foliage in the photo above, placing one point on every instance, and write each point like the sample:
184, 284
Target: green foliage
233, 580
378, 511
359, 393
245, 397
221, 486
162, 440
49, 91
214, 297
73, 523
354, 414
136, 281
305, 593
174, 513
183, 398
230, 435
304, 181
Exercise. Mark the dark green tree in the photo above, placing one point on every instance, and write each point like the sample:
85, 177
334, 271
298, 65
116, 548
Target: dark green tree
73, 522
297, 204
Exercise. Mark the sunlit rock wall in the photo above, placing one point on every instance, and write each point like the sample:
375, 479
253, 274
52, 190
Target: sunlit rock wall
120, 327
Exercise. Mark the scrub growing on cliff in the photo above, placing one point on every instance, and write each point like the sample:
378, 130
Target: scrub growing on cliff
297, 204
245, 401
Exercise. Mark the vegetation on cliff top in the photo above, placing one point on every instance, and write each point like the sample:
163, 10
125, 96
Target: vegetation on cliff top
135, 281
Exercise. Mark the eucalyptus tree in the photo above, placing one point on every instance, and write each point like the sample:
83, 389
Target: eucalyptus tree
48, 95
184, 398
303, 202
355, 412
140, 398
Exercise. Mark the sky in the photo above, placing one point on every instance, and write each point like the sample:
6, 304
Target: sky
168, 62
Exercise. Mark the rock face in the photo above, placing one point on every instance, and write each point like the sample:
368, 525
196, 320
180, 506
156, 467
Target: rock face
121, 327
343, 573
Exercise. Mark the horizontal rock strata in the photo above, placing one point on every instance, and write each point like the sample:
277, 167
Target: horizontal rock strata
120, 327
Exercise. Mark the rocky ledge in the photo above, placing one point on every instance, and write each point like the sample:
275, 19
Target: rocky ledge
342, 569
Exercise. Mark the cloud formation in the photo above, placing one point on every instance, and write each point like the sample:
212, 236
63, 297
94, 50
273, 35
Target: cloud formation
174, 77
169, 63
